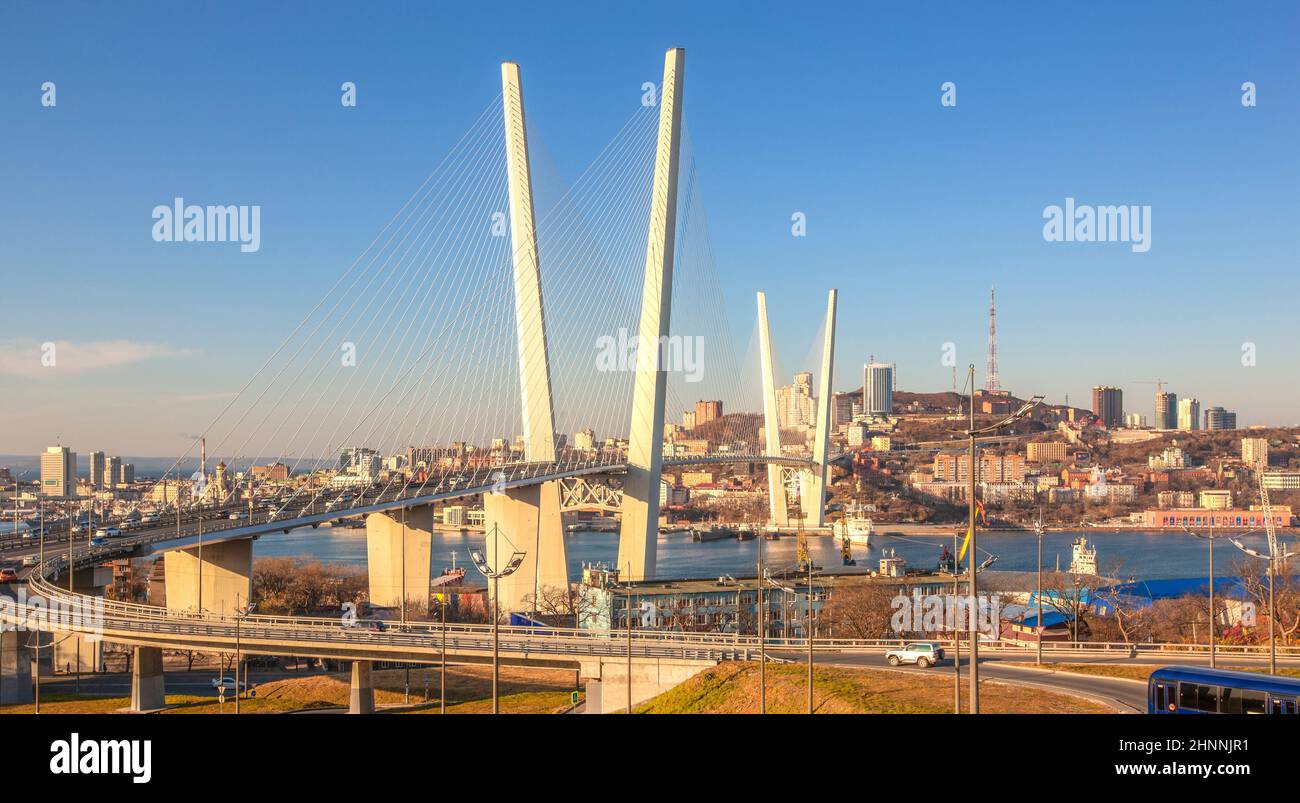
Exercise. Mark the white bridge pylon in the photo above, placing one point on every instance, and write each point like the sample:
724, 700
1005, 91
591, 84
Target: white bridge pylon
812, 480
639, 528
528, 517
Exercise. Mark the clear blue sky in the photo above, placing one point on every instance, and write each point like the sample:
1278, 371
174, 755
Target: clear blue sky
832, 110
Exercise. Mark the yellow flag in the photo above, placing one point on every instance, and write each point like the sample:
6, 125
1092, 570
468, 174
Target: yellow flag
965, 544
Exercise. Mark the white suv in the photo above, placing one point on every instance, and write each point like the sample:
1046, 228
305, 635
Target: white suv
922, 653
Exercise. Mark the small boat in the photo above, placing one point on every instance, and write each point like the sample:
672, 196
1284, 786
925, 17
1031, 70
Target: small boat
857, 530
712, 534
745, 534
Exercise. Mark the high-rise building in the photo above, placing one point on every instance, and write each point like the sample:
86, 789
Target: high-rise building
878, 388
96, 468
584, 440
1166, 410
795, 405
1135, 420
360, 461
1108, 405
111, 474
688, 419
127, 475
842, 409
59, 472
1254, 451
706, 411
1219, 418
1189, 414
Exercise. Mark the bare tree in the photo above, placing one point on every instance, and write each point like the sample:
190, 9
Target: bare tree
1127, 611
1067, 594
861, 611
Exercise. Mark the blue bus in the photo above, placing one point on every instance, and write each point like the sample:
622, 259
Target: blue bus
1194, 690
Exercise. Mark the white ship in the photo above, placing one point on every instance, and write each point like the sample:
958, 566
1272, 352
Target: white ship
1084, 559
857, 530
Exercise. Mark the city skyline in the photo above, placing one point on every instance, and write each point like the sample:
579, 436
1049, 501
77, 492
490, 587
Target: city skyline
1070, 312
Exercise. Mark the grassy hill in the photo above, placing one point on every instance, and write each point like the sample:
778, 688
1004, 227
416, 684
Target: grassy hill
732, 688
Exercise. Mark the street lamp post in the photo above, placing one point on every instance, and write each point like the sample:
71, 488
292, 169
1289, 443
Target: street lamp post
956, 631
1038, 594
808, 634
240, 614
762, 634
1211, 538
973, 470
442, 662
1275, 555
495, 575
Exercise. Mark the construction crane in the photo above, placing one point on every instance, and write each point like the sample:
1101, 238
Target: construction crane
1159, 383
1269, 526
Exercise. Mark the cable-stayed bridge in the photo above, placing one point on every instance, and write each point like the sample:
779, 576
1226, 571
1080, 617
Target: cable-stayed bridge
496, 313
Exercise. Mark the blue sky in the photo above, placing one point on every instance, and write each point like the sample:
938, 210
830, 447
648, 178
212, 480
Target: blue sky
831, 110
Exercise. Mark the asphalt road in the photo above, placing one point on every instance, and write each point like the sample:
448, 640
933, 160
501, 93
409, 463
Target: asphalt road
1128, 696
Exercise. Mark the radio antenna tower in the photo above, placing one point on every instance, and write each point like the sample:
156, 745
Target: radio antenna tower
991, 371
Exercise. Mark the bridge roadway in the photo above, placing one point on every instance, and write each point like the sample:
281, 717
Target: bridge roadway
347, 503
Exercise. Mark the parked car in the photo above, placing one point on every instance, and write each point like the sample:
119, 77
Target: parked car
922, 653
8, 575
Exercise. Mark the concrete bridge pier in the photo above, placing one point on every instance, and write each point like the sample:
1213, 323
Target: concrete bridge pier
15, 667
361, 695
222, 576
529, 521
607, 680
147, 679
398, 551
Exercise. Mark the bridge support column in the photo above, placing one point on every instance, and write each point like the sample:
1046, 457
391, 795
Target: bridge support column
528, 518
812, 489
81, 652
607, 680
361, 695
639, 529
223, 577
778, 507
147, 679
15, 667
398, 551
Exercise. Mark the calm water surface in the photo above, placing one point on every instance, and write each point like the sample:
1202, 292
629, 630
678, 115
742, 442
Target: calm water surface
1145, 554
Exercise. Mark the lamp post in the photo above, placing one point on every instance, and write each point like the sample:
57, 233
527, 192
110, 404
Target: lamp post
442, 659
956, 631
495, 575
240, 614
1038, 593
973, 469
807, 621
1211, 538
762, 634
1272, 558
